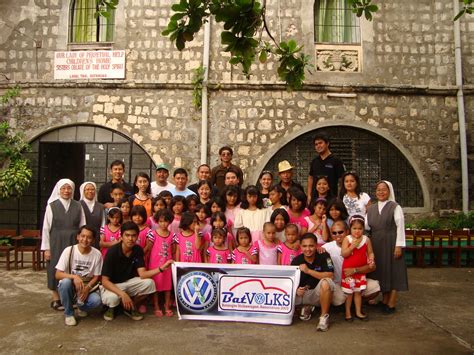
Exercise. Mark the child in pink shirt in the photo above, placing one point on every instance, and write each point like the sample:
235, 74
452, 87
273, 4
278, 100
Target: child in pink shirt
218, 253
189, 240
267, 247
290, 249
243, 253
110, 233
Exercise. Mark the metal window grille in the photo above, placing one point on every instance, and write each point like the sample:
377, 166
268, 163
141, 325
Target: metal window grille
85, 26
372, 157
334, 22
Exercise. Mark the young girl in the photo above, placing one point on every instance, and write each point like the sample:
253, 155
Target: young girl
276, 197
125, 208
290, 249
158, 204
166, 195
317, 221
252, 214
188, 240
191, 203
357, 252
162, 251
231, 198
216, 204
297, 208
110, 233
177, 207
116, 193
218, 253
204, 190
202, 215
267, 247
218, 221
244, 253
264, 183
138, 216
142, 190
322, 188
355, 201
336, 211
280, 219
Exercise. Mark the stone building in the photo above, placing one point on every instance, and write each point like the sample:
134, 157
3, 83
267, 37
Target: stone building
385, 91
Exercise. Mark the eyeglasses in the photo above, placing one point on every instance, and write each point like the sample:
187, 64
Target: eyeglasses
337, 232
225, 153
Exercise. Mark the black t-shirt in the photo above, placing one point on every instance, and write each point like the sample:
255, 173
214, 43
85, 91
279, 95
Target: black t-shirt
332, 167
293, 183
104, 192
322, 263
120, 268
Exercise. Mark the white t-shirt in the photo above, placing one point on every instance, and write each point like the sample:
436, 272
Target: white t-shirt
356, 205
334, 251
85, 265
156, 189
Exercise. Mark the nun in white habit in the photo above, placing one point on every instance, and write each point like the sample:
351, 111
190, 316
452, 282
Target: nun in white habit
93, 210
62, 220
387, 225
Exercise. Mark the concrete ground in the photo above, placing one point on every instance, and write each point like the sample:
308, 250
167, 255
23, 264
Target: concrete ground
435, 317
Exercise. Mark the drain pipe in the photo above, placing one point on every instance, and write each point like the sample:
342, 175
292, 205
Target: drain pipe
461, 112
204, 104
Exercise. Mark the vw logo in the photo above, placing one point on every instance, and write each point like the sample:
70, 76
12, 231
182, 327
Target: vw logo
197, 291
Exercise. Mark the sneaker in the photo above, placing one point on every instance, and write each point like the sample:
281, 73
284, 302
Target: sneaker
133, 314
323, 323
109, 314
70, 320
306, 312
81, 314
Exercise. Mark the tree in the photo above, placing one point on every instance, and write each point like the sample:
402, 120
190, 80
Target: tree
15, 173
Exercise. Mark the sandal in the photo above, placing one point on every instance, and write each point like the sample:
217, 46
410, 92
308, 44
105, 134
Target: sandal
56, 305
306, 313
169, 313
158, 313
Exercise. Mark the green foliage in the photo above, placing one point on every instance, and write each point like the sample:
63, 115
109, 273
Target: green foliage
461, 221
15, 174
198, 79
5, 242
428, 223
105, 8
243, 21
468, 8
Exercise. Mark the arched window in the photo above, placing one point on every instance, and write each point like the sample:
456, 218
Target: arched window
334, 22
86, 27
371, 156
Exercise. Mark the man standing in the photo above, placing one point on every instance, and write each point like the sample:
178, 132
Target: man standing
285, 172
203, 173
316, 286
339, 231
218, 172
125, 280
117, 170
161, 180
325, 164
180, 176
78, 271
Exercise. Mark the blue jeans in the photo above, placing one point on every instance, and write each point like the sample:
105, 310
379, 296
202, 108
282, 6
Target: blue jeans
66, 293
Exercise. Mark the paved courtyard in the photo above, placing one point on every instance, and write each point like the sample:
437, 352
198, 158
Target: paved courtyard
435, 317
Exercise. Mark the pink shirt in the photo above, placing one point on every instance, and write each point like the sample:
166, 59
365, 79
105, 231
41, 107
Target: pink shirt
318, 232
109, 236
299, 221
174, 226
287, 254
187, 248
241, 258
267, 255
219, 256
142, 236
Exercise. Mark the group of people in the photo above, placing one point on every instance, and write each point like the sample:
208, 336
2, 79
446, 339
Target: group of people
116, 245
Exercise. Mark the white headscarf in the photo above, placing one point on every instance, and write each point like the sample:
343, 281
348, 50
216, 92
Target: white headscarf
55, 194
90, 203
391, 197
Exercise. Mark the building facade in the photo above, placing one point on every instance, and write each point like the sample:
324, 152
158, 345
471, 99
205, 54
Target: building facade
385, 91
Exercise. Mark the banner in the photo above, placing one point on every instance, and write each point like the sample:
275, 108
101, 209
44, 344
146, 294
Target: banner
241, 293
89, 65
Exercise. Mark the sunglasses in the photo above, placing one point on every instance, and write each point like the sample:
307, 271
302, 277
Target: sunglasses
337, 232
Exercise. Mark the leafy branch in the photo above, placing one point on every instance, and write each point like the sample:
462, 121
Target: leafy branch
243, 21
15, 173
105, 8
468, 8
197, 82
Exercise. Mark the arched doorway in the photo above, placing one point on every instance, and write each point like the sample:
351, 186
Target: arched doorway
79, 152
370, 155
